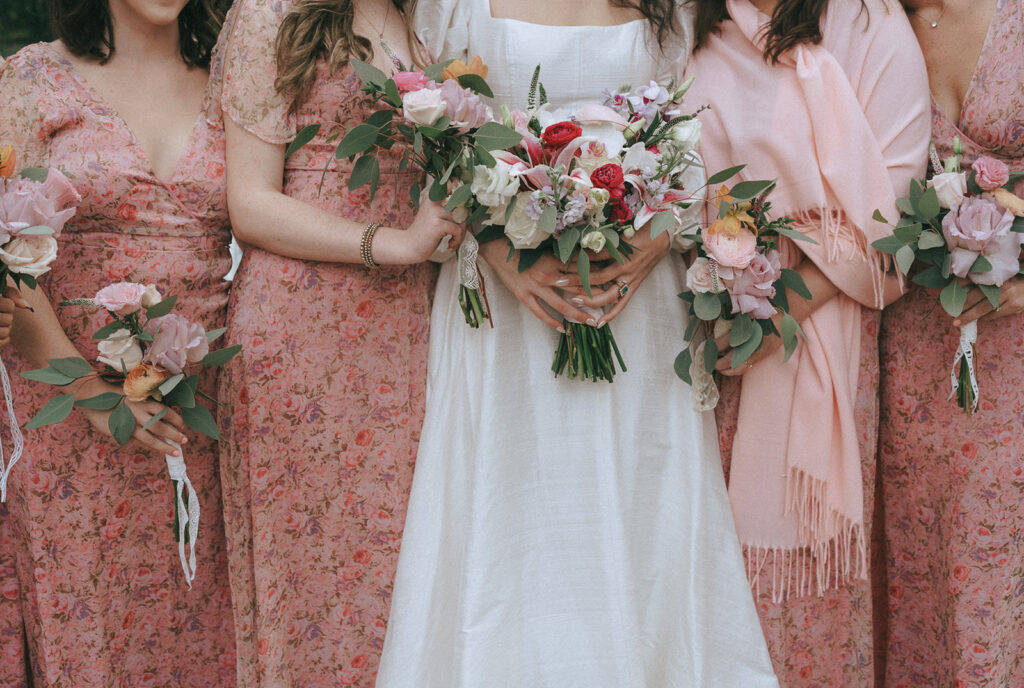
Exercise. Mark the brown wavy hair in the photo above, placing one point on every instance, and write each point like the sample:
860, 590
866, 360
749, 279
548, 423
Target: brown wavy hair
793, 22
87, 29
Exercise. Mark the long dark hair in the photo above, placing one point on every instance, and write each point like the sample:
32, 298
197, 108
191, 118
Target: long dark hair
793, 22
661, 14
87, 29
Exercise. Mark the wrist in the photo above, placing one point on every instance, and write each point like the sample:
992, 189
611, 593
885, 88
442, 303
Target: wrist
388, 247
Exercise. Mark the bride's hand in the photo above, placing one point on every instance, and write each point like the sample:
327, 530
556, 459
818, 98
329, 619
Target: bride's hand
618, 276
537, 285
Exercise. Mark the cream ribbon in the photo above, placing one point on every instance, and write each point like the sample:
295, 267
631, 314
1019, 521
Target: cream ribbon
16, 436
965, 351
469, 275
188, 517
704, 389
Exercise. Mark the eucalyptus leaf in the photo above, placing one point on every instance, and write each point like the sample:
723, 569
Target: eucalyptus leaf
905, 258
214, 335
953, 297
991, 293
365, 171
981, 265
930, 277
183, 396
107, 330
122, 424
567, 243
493, 136
36, 174
710, 354
745, 191
791, 279
304, 136
474, 82
170, 383
38, 230
49, 376
55, 410
155, 419
906, 206
101, 402
368, 74
527, 257
161, 309
795, 235
546, 222
723, 175
662, 222
929, 204
682, 365
201, 420
889, 244
742, 329
789, 327
707, 306
930, 239
907, 233
458, 197
74, 367
747, 348
878, 217
358, 140
221, 356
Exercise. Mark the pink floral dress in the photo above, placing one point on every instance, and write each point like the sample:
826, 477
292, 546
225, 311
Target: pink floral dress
953, 483
90, 524
324, 406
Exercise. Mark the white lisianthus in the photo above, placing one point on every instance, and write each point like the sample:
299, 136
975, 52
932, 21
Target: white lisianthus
424, 106
950, 187
494, 186
638, 158
120, 347
699, 279
520, 229
30, 255
598, 197
593, 240
151, 296
685, 136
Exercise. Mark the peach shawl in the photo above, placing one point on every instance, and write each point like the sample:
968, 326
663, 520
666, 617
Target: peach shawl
843, 126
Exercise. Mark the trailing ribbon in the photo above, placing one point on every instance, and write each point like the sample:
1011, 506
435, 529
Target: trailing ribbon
965, 352
188, 518
16, 436
469, 275
705, 391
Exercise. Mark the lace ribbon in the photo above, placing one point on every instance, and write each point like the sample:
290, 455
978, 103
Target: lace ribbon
188, 517
469, 276
16, 436
705, 391
965, 352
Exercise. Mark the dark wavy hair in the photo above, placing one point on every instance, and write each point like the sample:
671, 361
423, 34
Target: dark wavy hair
793, 22
661, 14
87, 29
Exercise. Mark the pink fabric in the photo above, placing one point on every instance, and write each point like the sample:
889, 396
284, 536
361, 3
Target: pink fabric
100, 585
323, 408
954, 483
843, 125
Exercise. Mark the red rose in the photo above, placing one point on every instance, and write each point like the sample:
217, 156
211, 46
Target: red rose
620, 211
561, 133
607, 176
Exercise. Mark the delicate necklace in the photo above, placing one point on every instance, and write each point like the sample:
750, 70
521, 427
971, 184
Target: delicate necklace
935, 23
380, 37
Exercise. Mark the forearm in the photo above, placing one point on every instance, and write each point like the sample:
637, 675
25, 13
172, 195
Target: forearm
37, 335
818, 284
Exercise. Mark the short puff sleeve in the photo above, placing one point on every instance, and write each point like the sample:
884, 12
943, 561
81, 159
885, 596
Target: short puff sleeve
443, 28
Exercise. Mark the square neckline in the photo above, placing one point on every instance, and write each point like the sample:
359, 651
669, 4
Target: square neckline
490, 15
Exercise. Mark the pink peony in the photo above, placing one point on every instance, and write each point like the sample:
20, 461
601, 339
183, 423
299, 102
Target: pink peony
751, 289
26, 203
411, 81
464, 107
734, 249
990, 173
980, 226
176, 342
123, 298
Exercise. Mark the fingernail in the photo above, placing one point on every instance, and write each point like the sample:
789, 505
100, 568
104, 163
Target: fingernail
602, 324
184, 440
561, 329
956, 323
592, 322
577, 301
564, 282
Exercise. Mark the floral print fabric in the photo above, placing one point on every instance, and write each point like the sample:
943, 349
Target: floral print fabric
954, 483
97, 572
324, 406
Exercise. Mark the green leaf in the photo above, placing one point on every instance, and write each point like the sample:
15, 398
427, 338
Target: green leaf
930, 277
583, 268
906, 206
107, 330
214, 335
490, 233
48, 375
56, 410
930, 239
795, 235
707, 306
661, 222
905, 258
161, 309
991, 293
358, 140
474, 82
682, 365
437, 191
122, 424
458, 197
380, 118
747, 348
304, 136
221, 356
391, 94
169, 384
719, 177
981, 265
947, 265
907, 233
1018, 225
744, 191
710, 354
36, 174
451, 168
567, 243
527, 256
742, 330
789, 327
183, 395
73, 367
101, 402
952, 298
494, 136
365, 171
929, 204
368, 74
201, 420
792, 280
155, 419
889, 244
484, 157
878, 217
546, 222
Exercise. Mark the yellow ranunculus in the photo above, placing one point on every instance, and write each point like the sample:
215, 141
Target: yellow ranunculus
735, 219
457, 68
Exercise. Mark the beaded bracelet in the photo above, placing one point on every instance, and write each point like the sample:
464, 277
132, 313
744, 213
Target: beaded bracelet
366, 246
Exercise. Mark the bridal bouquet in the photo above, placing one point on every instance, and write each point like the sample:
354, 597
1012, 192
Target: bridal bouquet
33, 209
148, 351
447, 132
736, 284
963, 229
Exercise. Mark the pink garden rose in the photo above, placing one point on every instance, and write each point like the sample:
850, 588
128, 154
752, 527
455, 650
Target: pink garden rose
176, 342
464, 107
990, 173
123, 298
410, 81
731, 249
980, 226
26, 203
751, 289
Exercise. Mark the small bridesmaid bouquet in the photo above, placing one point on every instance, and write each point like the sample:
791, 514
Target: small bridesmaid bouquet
736, 285
34, 205
961, 229
148, 351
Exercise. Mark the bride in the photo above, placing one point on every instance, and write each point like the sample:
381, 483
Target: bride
566, 533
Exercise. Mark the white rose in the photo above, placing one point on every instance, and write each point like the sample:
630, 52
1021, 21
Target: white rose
494, 186
629, 232
598, 197
30, 255
120, 347
151, 297
700, 280
950, 187
423, 107
686, 135
593, 240
520, 229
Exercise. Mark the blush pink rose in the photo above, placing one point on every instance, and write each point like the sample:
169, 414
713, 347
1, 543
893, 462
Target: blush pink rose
410, 81
752, 288
732, 250
990, 173
176, 342
122, 298
980, 226
26, 203
464, 107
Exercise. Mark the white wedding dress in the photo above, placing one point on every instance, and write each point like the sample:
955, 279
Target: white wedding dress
564, 533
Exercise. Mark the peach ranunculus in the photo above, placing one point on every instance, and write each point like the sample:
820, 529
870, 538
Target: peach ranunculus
123, 298
8, 159
142, 380
457, 68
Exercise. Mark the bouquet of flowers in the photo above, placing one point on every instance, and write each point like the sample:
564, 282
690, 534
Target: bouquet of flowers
147, 350
447, 131
963, 229
33, 209
736, 284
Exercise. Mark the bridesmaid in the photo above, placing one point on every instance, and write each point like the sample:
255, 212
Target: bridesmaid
831, 99
323, 408
953, 483
115, 103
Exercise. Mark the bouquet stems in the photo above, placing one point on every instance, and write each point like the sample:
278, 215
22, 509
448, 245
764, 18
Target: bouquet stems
587, 353
177, 513
965, 391
472, 306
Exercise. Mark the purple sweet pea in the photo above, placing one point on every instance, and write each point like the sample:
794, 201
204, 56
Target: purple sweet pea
979, 226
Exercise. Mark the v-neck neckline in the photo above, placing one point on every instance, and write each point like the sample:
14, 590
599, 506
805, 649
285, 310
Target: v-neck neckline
98, 99
959, 121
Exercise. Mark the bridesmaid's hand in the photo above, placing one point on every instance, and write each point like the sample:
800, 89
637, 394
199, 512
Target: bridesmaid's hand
11, 299
170, 427
537, 285
1011, 302
419, 241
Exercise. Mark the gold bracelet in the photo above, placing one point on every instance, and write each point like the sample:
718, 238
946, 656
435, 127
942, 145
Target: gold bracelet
366, 246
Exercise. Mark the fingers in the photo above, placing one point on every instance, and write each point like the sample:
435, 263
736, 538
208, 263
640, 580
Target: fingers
568, 310
148, 438
12, 294
533, 304
973, 312
600, 299
174, 418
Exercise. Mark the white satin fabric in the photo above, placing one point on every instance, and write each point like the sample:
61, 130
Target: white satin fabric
564, 533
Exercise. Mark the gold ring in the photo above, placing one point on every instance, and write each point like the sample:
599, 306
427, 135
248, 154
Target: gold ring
623, 287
